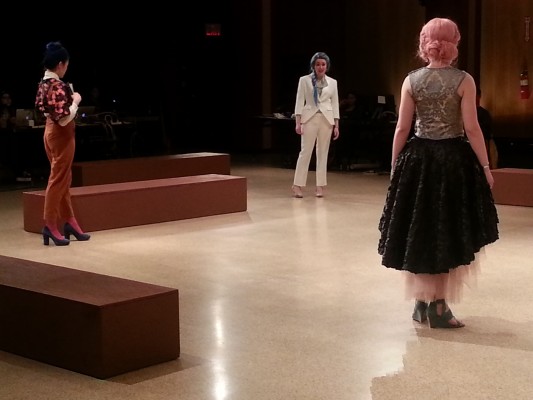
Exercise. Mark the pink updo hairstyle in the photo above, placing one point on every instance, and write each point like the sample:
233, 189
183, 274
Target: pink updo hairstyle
439, 39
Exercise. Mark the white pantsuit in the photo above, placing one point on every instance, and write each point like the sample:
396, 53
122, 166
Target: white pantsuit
318, 120
316, 130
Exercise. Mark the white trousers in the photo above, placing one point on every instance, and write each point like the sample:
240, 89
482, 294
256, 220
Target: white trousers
315, 131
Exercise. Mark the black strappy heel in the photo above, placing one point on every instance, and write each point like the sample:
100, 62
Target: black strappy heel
442, 320
420, 311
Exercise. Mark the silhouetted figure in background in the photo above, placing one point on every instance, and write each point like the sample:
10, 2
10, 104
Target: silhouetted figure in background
95, 99
349, 107
351, 117
7, 111
484, 118
8, 159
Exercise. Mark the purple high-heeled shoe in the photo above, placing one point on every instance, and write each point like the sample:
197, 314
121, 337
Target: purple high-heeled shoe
69, 230
47, 235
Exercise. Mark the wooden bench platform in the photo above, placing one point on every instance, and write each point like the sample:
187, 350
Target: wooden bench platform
513, 186
120, 205
85, 322
101, 172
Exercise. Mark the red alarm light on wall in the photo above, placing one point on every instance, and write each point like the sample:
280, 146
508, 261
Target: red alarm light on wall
524, 84
213, 30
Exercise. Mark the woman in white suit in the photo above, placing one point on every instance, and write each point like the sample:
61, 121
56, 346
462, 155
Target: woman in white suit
317, 119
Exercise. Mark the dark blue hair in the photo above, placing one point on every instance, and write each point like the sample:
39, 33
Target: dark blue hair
54, 54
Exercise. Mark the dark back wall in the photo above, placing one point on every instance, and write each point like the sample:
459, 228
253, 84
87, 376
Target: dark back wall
150, 60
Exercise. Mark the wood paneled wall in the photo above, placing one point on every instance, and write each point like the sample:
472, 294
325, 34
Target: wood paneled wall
381, 39
503, 51
373, 46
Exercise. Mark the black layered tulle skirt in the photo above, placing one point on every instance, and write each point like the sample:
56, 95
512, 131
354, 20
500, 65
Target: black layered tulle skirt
439, 210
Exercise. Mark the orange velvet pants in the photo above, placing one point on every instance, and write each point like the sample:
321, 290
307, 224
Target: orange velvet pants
59, 144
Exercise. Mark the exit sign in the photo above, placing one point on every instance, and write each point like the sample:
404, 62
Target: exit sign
213, 30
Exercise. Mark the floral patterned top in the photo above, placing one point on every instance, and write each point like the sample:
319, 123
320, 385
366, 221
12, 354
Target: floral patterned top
54, 98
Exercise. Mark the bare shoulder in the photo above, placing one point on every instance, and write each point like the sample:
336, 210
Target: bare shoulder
406, 85
467, 85
469, 79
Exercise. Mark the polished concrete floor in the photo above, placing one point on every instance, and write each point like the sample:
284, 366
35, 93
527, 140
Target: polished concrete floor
288, 301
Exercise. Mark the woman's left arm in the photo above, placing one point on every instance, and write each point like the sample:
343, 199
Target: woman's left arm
467, 91
336, 112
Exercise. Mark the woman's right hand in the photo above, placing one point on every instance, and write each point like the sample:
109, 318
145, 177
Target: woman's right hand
298, 128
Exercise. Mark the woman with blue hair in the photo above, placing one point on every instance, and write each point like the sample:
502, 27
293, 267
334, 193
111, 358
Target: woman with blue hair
317, 119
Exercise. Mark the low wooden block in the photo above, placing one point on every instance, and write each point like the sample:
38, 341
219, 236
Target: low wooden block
94, 324
120, 205
101, 172
513, 186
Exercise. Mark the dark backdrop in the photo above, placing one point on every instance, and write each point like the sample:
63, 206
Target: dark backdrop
150, 60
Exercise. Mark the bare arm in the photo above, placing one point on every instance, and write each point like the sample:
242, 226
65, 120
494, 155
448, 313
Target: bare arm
405, 120
467, 91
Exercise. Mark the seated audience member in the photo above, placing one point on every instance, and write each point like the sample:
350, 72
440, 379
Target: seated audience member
98, 99
7, 111
349, 107
7, 125
484, 118
95, 99
11, 144
347, 149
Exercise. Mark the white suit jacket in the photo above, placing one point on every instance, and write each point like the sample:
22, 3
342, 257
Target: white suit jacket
328, 101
